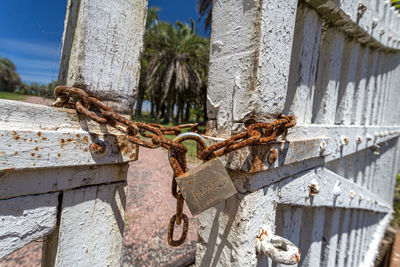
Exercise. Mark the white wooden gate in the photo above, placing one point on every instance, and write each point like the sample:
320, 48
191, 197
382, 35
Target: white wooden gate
333, 64
54, 183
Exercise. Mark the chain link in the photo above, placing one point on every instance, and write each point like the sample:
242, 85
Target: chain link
256, 133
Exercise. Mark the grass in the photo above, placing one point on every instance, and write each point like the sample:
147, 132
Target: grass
12, 96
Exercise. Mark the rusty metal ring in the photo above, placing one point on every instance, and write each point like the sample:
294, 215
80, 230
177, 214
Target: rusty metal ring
277, 248
171, 228
189, 136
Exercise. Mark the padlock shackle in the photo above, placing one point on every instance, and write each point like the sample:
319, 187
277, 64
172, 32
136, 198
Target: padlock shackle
189, 136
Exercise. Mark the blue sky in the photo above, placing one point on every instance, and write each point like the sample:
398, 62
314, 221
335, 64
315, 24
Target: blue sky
31, 32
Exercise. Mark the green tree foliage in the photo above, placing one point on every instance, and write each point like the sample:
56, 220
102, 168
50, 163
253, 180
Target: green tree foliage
174, 69
205, 10
9, 78
11, 82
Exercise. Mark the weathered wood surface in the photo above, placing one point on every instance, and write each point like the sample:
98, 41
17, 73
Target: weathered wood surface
91, 227
35, 136
102, 44
346, 139
303, 64
44, 149
249, 39
25, 219
44, 180
327, 85
373, 26
329, 142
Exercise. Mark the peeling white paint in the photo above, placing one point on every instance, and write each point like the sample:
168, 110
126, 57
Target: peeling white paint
25, 219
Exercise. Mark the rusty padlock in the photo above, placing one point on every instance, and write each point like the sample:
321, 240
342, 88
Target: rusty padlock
205, 185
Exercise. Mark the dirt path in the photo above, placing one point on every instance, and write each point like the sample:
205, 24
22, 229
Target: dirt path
39, 100
150, 205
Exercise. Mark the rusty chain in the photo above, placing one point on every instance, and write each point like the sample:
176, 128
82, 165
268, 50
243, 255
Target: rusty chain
91, 107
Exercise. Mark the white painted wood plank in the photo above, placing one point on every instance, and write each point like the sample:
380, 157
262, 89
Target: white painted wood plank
380, 90
364, 27
44, 180
30, 149
375, 90
352, 238
344, 236
358, 238
395, 168
227, 231
313, 256
35, 136
359, 92
369, 161
392, 172
25, 219
384, 88
335, 191
292, 218
102, 44
297, 146
328, 77
347, 83
364, 240
370, 87
386, 110
376, 240
331, 235
303, 64
91, 226
373, 171
251, 43
392, 105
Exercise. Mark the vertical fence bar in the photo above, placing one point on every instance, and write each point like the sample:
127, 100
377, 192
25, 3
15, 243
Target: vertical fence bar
352, 238
328, 77
102, 43
359, 92
292, 225
344, 237
370, 87
314, 245
331, 235
251, 47
380, 91
347, 83
303, 65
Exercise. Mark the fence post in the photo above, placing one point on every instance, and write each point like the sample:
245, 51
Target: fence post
251, 44
329, 79
102, 44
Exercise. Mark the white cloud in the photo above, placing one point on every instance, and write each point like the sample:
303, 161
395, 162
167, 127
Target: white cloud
47, 50
38, 76
35, 62
27, 63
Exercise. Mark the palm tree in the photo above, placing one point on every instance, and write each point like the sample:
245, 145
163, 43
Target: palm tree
176, 60
205, 9
151, 21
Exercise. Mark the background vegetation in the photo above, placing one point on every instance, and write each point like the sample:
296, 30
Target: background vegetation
174, 71
11, 82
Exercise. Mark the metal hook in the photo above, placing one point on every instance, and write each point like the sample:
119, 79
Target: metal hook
277, 248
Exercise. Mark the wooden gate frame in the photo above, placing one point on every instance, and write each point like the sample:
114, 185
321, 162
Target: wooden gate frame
53, 183
334, 65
